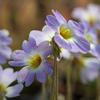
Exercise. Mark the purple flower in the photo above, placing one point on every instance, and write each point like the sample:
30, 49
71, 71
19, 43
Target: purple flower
7, 77
33, 59
68, 35
89, 14
95, 50
91, 70
5, 41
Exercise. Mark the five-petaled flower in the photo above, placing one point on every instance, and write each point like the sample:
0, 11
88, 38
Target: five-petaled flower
89, 14
34, 59
68, 34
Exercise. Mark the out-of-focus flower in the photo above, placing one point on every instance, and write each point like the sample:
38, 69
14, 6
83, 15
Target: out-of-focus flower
7, 76
5, 41
89, 14
33, 58
68, 35
95, 51
90, 70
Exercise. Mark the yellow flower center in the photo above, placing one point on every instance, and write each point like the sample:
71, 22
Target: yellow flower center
2, 90
65, 32
89, 38
35, 61
91, 20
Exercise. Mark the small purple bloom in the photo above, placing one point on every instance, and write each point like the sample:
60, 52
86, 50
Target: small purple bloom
5, 41
89, 14
33, 59
69, 35
7, 77
91, 70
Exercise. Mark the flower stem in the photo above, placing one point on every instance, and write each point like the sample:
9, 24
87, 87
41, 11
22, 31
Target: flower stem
98, 87
1, 97
43, 92
55, 78
55, 75
68, 76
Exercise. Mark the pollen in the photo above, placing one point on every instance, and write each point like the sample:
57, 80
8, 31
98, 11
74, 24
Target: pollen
65, 32
89, 38
2, 90
35, 61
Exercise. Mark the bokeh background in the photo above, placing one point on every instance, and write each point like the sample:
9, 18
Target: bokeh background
22, 16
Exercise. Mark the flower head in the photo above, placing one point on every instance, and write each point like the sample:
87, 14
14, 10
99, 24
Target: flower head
33, 58
89, 14
91, 70
68, 35
5, 41
7, 76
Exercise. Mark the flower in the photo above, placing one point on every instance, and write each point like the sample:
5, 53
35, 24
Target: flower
33, 58
68, 35
91, 70
89, 14
5, 41
7, 76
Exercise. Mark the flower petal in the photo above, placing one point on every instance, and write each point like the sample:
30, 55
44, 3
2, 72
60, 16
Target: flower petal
14, 91
17, 63
29, 79
41, 76
8, 76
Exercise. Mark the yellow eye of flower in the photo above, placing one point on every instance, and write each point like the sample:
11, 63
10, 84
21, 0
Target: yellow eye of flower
89, 38
2, 90
35, 61
65, 32
91, 20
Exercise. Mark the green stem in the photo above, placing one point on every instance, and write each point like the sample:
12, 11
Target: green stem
98, 87
55, 75
68, 76
1, 98
55, 78
43, 92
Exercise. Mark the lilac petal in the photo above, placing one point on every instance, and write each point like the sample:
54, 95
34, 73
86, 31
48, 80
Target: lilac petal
59, 17
48, 68
26, 46
38, 36
95, 50
61, 42
2, 59
22, 74
76, 27
74, 49
29, 79
83, 45
41, 76
32, 42
18, 55
14, 91
6, 51
8, 76
52, 22
17, 63
44, 49
4, 37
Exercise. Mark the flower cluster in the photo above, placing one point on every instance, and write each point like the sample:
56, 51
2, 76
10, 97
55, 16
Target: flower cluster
65, 38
